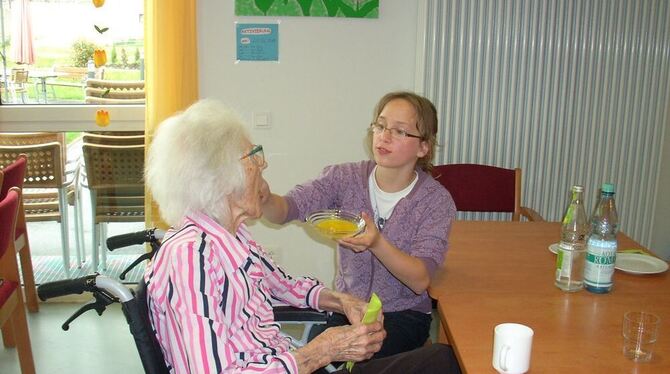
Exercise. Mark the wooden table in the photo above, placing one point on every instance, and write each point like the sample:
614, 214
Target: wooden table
499, 272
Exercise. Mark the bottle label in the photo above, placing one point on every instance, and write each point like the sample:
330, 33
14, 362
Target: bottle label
563, 262
600, 259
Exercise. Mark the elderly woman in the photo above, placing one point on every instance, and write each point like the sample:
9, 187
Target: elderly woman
210, 286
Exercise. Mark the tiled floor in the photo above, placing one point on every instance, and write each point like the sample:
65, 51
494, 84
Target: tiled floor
94, 344
50, 268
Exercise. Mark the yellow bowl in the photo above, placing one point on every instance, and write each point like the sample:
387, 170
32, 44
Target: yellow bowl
336, 224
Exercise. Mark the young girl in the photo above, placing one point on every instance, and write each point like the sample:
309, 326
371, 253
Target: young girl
407, 214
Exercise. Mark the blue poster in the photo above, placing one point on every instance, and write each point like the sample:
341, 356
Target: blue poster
257, 41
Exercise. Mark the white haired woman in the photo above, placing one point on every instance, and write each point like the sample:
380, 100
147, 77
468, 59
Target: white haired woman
209, 287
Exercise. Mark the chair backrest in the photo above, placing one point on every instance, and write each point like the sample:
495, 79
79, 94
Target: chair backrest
115, 176
113, 139
117, 133
29, 138
45, 163
19, 76
482, 188
8, 209
114, 166
13, 174
100, 91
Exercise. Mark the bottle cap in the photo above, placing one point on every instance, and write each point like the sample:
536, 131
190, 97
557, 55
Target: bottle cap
607, 188
578, 188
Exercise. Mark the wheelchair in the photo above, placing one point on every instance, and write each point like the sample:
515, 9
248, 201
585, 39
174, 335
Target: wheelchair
106, 291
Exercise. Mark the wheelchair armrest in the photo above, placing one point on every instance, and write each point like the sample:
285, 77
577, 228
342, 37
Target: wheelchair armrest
285, 313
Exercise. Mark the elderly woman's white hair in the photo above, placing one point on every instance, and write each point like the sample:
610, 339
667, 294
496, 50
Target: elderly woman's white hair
194, 162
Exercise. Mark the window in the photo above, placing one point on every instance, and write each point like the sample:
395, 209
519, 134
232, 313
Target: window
64, 52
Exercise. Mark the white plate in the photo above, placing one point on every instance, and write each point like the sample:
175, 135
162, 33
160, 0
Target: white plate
553, 248
635, 263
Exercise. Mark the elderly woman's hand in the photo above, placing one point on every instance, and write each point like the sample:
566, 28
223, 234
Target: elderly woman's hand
355, 342
366, 239
352, 307
342, 343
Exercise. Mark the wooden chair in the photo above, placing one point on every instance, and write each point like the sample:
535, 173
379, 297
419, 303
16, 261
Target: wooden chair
115, 180
13, 177
12, 313
45, 184
483, 188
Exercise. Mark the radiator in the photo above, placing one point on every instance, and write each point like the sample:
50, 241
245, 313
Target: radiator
572, 92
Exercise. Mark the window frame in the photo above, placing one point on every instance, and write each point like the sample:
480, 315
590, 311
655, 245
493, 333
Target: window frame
76, 117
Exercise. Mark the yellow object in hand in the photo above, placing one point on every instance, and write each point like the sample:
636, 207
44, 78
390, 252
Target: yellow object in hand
371, 315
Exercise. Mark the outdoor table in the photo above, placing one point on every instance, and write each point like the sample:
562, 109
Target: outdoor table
42, 76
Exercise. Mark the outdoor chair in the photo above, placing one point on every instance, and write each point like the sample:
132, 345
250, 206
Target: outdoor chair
45, 183
12, 313
19, 84
13, 177
117, 138
100, 91
483, 188
114, 176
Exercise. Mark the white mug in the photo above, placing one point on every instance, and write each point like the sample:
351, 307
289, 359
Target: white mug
512, 343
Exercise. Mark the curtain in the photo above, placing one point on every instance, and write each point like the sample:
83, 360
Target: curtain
571, 92
171, 69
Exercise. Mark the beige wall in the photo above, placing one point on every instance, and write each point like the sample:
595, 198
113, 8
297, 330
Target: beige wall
319, 97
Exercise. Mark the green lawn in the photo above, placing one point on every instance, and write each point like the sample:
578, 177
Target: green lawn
71, 136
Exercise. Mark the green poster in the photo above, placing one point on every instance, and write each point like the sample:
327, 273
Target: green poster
308, 8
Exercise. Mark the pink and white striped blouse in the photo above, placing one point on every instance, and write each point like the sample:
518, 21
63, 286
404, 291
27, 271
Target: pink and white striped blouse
209, 296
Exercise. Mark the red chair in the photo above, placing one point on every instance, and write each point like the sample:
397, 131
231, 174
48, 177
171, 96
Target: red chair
14, 174
12, 312
483, 188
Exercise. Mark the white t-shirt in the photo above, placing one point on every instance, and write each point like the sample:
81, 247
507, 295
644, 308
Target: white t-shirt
383, 202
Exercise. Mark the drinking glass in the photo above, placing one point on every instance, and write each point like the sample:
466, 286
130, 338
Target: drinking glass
640, 331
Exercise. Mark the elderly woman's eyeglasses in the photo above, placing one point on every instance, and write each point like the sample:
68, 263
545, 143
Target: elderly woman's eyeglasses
379, 128
256, 155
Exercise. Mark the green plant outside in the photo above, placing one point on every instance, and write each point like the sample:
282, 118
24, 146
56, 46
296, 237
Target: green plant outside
82, 52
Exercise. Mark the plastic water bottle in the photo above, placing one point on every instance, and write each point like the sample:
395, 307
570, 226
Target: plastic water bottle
572, 248
602, 244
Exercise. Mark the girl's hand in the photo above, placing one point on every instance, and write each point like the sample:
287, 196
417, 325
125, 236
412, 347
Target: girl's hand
264, 191
367, 239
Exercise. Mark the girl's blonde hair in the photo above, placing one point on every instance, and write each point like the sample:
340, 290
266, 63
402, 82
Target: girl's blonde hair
426, 123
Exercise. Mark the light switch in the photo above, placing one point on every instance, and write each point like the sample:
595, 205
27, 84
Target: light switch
262, 120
